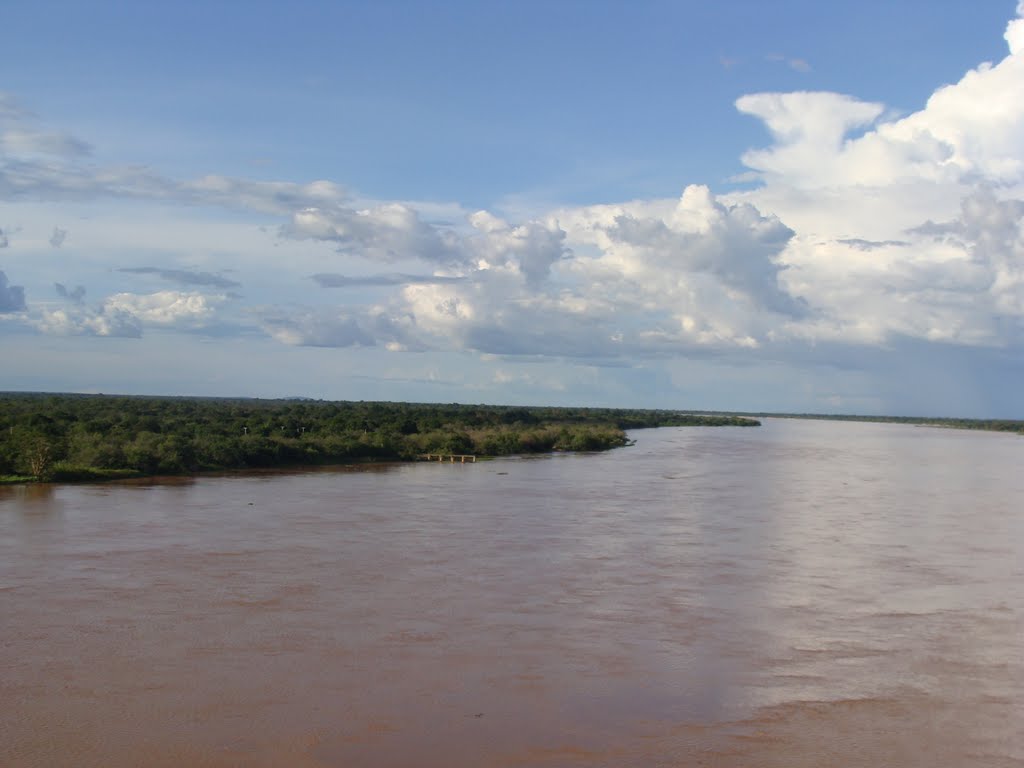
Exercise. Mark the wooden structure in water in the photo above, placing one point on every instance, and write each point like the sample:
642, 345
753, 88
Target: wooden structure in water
453, 458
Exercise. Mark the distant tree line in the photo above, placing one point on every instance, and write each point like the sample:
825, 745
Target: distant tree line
988, 425
81, 437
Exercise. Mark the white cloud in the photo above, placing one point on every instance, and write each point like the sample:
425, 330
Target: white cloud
1015, 32
867, 257
807, 128
127, 314
735, 245
81, 321
970, 130
166, 308
639, 281
530, 249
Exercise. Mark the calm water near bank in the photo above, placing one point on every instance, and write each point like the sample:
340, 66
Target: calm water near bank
804, 593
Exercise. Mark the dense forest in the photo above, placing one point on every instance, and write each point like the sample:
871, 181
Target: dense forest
84, 437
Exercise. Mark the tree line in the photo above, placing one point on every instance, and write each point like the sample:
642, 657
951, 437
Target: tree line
81, 437
949, 422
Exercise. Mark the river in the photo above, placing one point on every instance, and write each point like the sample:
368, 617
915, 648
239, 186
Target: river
803, 594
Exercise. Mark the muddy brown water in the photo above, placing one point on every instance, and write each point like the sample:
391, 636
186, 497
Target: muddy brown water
804, 594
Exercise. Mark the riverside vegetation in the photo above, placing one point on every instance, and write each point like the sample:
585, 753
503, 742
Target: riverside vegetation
47, 437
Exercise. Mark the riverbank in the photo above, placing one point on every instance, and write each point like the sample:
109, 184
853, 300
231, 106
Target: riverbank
68, 438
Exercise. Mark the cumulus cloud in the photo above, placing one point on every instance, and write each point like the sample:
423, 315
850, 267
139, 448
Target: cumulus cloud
81, 321
530, 249
496, 313
970, 130
665, 279
166, 308
993, 231
12, 297
127, 314
906, 227
957, 282
640, 280
736, 245
184, 276
395, 232
807, 128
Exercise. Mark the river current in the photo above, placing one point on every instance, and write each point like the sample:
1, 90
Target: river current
807, 593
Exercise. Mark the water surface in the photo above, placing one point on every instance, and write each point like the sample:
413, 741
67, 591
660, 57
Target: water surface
806, 593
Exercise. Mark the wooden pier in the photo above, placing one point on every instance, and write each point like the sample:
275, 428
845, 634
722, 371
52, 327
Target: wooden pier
452, 458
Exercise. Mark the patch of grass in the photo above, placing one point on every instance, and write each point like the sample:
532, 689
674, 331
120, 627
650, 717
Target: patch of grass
15, 479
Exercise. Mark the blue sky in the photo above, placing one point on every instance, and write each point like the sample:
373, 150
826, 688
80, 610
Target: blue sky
743, 205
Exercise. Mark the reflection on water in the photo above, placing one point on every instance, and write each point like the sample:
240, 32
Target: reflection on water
806, 593
29, 496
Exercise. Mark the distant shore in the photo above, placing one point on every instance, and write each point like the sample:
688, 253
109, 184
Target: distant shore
946, 422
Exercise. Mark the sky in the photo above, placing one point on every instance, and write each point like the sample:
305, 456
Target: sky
791, 206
